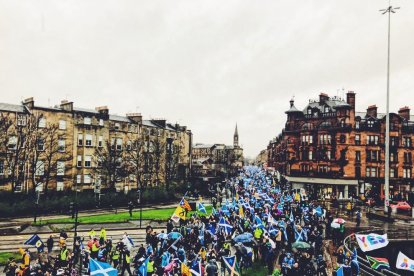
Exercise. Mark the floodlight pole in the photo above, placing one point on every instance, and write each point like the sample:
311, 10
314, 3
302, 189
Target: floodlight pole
389, 10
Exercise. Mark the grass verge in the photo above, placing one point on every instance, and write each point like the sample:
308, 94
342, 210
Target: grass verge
255, 270
156, 214
4, 257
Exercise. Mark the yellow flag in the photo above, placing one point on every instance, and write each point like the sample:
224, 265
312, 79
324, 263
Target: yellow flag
185, 270
179, 213
241, 212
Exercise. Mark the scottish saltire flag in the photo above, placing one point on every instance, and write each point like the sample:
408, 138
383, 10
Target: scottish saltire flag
201, 208
258, 223
213, 211
340, 271
101, 268
291, 218
225, 210
299, 236
376, 262
318, 211
36, 241
225, 225
143, 268
231, 265
196, 269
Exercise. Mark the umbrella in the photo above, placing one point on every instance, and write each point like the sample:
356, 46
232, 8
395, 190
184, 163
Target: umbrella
174, 235
162, 236
339, 220
301, 245
335, 225
245, 237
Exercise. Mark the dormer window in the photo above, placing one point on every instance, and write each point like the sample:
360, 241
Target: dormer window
309, 111
356, 124
370, 123
326, 109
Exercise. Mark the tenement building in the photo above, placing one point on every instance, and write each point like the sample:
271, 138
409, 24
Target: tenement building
330, 148
63, 147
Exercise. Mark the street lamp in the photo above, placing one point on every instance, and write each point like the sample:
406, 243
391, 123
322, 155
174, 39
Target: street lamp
389, 10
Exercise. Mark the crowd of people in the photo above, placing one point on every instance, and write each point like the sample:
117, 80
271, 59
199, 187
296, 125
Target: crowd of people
256, 221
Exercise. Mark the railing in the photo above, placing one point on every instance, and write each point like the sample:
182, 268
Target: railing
364, 264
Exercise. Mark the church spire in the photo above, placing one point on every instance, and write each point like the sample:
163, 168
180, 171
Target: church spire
236, 137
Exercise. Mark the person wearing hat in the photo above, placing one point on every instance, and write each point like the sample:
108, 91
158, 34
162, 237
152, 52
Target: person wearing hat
10, 268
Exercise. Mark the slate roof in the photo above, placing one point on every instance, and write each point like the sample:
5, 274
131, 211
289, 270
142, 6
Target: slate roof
119, 118
12, 107
333, 103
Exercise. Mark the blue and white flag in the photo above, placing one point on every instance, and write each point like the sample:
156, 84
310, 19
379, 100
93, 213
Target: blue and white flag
224, 224
291, 218
143, 268
318, 211
214, 212
101, 268
36, 241
196, 269
258, 223
231, 265
201, 208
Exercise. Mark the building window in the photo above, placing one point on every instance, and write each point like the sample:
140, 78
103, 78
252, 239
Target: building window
119, 144
40, 168
342, 139
12, 143
357, 125
372, 155
326, 109
88, 161
87, 120
407, 173
100, 141
357, 139
310, 155
21, 120
42, 123
117, 125
79, 178
394, 141
328, 155
80, 139
101, 122
407, 158
407, 142
371, 172
40, 144
88, 140
392, 157
61, 145
325, 139
59, 186
307, 139
62, 124
358, 172
79, 161
323, 169
87, 179
372, 140
392, 172
128, 145
1, 167
60, 166
370, 123
358, 156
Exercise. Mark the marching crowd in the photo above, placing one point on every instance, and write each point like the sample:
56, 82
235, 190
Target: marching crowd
260, 221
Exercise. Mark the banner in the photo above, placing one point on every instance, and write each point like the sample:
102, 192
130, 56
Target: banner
371, 241
405, 263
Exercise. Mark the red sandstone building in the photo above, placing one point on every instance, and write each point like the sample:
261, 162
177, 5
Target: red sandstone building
328, 147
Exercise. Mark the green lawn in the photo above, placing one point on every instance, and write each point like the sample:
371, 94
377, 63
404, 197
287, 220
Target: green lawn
4, 257
255, 270
155, 214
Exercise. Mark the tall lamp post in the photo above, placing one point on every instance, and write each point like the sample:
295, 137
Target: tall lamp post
388, 10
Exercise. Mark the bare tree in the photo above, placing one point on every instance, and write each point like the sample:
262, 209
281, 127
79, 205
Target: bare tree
112, 166
158, 155
135, 157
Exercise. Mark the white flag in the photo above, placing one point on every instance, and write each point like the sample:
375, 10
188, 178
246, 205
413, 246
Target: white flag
405, 263
371, 241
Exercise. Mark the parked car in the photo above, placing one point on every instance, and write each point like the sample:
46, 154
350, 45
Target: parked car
401, 205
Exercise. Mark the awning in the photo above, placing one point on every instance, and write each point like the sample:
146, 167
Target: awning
321, 181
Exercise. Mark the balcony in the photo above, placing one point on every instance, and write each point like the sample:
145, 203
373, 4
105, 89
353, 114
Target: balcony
298, 173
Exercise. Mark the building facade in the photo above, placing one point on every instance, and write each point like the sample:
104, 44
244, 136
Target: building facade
217, 160
58, 148
331, 148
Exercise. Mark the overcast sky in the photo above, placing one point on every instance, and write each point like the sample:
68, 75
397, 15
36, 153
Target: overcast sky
206, 64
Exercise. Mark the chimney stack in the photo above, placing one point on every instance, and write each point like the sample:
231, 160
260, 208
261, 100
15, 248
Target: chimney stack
102, 110
29, 102
135, 117
404, 112
323, 97
350, 99
66, 105
372, 111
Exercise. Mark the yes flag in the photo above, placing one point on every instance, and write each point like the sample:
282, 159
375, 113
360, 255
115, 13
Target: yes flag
179, 213
231, 265
201, 208
143, 268
404, 263
378, 262
371, 241
185, 270
36, 241
101, 268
